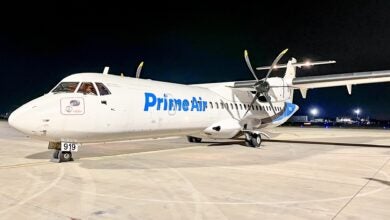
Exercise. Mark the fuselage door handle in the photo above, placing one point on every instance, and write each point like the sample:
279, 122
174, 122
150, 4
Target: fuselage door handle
104, 102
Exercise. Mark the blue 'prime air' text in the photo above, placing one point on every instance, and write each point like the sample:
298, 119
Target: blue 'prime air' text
170, 104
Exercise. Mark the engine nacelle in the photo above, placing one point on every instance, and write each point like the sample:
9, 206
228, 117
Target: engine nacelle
223, 129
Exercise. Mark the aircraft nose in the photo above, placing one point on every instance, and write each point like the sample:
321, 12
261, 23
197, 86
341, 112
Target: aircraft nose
33, 117
23, 119
11, 120
15, 121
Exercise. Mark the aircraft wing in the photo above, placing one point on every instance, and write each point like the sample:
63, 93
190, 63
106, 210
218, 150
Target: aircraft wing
345, 79
312, 82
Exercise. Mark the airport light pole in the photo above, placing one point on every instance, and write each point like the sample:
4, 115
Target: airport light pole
357, 112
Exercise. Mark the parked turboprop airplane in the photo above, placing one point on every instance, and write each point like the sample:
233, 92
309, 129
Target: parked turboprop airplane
95, 107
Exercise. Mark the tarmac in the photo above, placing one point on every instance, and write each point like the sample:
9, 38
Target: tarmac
301, 173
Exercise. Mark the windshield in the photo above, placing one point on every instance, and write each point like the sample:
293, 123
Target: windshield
103, 90
67, 87
87, 88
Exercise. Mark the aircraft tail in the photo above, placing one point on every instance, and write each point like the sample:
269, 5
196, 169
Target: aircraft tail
289, 76
290, 69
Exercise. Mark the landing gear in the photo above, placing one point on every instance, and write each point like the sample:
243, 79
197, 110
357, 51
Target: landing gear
58, 155
55, 154
65, 156
194, 139
252, 139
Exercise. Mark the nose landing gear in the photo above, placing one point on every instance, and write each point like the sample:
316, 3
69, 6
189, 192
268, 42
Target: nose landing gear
59, 155
62, 156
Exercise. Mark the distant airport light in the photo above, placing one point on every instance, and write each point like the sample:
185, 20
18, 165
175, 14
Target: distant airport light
308, 63
314, 111
357, 112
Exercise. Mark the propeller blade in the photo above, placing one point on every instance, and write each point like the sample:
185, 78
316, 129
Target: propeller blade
253, 101
248, 63
139, 69
269, 101
275, 62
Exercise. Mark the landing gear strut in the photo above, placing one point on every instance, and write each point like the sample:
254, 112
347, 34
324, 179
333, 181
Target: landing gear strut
58, 155
252, 139
194, 139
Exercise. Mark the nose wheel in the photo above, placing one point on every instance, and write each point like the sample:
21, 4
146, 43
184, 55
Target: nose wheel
62, 156
252, 139
59, 155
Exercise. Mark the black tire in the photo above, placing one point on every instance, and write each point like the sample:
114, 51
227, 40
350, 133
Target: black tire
248, 143
194, 139
190, 139
256, 140
197, 140
55, 154
248, 139
65, 156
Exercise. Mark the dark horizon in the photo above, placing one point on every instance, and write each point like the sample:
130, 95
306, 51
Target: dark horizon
198, 44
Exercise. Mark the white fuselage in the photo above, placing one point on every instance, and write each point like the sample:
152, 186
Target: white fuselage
139, 108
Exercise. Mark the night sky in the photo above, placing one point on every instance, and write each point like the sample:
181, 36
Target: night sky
197, 43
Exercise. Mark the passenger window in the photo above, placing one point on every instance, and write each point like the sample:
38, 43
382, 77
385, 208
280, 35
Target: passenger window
67, 87
222, 105
216, 105
236, 106
102, 89
211, 105
87, 89
231, 106
241, 106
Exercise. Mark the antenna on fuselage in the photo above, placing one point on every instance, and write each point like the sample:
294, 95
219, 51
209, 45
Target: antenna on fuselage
139, 69
105, 71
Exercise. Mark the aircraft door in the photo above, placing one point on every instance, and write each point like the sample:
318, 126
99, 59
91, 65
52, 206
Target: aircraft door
112, 110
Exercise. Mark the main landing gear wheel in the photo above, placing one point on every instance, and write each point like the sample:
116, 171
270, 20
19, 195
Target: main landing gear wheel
252, 139
194, 139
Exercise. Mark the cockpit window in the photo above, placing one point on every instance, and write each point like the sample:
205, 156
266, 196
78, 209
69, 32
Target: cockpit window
103, 90
67, 87
87, 88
